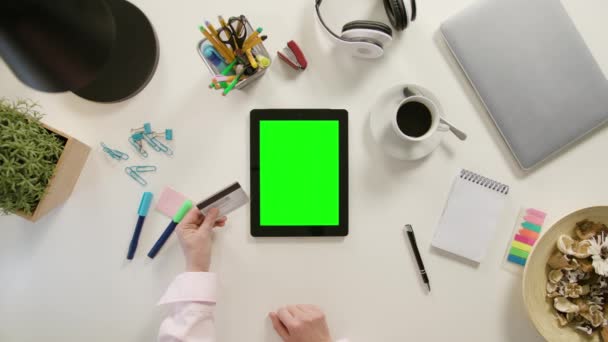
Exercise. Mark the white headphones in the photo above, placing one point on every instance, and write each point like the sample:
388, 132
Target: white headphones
367, 39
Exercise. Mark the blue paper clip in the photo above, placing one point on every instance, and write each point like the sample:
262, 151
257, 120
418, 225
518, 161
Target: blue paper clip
147, 128
116, 154
144, 168
168, 135
152, 143
138, 147
137, 136
164, 148
133, 174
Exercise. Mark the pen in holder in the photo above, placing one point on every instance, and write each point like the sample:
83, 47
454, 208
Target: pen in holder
215, 63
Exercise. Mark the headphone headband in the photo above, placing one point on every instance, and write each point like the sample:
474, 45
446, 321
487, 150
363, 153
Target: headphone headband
318, 6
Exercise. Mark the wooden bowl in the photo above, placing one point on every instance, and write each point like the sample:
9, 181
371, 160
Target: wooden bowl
540, 309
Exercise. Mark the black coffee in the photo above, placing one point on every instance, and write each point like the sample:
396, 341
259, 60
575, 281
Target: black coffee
414, 119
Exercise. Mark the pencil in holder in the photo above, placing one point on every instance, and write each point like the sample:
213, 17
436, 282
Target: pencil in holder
258, 50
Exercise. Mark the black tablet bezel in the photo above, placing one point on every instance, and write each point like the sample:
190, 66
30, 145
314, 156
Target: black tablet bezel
256, 116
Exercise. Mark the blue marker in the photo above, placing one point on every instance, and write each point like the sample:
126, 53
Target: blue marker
177, 218
144, 206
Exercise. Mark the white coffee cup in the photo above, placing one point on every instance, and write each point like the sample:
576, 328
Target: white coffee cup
417, 119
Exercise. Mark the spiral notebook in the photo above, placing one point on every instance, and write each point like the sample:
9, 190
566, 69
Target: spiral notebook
471, 215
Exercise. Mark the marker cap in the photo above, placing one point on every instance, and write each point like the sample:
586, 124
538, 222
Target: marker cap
183, 210
144, 205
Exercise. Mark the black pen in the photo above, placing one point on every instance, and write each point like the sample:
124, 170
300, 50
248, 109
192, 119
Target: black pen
410, 234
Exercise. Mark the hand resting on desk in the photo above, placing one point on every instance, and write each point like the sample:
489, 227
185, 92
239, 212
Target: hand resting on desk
301, 323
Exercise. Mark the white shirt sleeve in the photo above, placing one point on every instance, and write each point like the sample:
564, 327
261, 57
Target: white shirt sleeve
192, 296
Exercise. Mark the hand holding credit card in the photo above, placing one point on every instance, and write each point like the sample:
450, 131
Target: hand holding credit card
226, 200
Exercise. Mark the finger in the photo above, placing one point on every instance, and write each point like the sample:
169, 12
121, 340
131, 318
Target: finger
221, 221
210, 219
193, 216
295, 311
278, 326
308, 308
287, 318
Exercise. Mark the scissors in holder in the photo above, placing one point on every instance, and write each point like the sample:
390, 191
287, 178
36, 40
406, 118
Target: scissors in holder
234, 33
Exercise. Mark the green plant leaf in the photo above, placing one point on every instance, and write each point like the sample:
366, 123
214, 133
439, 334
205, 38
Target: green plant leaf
28, 156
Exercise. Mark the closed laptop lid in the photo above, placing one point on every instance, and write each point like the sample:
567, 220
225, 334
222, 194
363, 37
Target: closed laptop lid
533, 72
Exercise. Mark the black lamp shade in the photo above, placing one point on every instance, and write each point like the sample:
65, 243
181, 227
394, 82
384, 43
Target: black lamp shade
102, 50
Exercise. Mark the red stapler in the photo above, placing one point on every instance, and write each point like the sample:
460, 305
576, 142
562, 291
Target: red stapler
293, 56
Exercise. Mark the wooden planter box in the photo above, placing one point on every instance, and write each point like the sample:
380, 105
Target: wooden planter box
65, 176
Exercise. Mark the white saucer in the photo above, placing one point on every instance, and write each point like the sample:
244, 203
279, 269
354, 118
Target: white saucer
383, 112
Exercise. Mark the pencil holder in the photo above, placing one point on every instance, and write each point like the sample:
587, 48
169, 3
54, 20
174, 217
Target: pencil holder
259, 49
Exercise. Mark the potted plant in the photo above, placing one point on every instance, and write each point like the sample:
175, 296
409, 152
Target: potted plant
39, 165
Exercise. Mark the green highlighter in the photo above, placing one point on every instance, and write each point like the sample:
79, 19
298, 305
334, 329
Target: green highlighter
177, 218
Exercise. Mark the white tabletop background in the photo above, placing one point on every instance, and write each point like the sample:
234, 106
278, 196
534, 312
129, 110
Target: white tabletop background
65, 278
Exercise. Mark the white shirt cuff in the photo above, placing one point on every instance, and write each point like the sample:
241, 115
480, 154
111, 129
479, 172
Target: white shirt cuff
343, 340
191, 287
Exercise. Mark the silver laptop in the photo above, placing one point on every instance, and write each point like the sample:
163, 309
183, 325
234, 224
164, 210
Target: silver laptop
533, 72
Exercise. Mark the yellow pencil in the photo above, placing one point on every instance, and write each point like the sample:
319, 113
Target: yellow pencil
216, 34
253, 36
221, 48
211, 28
222, 21
252, 61
249, 45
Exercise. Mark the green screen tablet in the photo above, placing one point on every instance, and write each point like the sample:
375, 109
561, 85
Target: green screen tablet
299, 171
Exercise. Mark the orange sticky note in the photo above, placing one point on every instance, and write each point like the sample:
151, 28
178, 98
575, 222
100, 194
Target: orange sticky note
529, 233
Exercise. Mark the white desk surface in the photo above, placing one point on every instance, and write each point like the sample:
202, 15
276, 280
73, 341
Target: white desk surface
65, 278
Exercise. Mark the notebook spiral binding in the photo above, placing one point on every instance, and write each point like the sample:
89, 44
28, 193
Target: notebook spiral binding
485, 182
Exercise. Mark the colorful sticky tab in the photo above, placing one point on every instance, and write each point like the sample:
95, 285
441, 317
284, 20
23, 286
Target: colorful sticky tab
522, 246
517, 260
531, 226
537, 213
519, 253
527, 233
525, 239
534, 219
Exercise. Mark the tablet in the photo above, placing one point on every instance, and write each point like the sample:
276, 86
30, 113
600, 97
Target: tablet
299, 172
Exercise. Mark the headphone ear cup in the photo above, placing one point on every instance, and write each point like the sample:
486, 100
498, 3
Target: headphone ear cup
397, 14
364, 48
367, 25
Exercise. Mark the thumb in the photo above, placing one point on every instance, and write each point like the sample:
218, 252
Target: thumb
210, 219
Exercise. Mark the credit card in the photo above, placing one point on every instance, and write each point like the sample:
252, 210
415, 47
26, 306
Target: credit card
226, 200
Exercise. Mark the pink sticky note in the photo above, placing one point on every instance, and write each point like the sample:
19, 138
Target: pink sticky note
537, 213
169, 202
524, 239
534, 219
